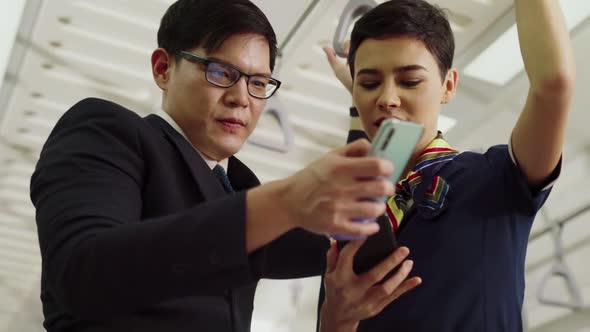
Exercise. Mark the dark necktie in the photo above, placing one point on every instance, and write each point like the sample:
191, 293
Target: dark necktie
222, 177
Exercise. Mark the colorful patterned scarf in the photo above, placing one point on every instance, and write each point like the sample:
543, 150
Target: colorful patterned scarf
433, 201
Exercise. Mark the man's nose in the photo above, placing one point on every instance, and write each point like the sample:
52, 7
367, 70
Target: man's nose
237, 95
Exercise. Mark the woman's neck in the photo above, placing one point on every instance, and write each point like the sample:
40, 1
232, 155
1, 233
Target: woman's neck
420, 147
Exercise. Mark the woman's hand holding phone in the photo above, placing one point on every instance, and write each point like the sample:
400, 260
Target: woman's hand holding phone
352, 297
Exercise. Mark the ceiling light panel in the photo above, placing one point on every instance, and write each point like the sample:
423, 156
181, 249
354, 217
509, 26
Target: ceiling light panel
501, 61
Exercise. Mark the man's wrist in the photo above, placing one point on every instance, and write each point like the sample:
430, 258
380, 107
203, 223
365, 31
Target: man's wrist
283, 204
271, 199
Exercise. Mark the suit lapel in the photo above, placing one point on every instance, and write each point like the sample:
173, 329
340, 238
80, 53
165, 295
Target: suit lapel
240, 176
202, 174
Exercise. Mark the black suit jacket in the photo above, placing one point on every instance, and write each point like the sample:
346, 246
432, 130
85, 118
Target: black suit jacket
137, 234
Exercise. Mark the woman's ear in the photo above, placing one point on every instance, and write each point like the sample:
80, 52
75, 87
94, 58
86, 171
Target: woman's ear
162, 64
449, 87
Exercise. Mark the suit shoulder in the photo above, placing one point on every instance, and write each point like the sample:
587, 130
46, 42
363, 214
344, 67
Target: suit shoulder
96, 108
91, 116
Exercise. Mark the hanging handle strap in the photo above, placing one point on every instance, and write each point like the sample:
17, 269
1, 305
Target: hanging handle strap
559, 270
353, 10
277, 111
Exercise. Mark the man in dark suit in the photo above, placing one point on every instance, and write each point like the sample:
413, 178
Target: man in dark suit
139, 225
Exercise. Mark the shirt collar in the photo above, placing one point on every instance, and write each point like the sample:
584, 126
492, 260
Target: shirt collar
210, 162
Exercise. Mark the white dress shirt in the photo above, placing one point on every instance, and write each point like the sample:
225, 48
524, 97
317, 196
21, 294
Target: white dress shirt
210, 162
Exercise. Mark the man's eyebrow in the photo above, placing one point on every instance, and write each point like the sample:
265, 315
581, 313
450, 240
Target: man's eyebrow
266, 74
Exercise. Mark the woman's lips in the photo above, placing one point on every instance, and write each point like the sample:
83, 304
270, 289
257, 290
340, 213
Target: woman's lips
380, 120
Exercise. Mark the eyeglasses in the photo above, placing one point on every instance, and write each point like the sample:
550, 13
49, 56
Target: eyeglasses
225, 75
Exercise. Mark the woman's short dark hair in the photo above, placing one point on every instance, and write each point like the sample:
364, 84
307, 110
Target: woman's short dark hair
414, 18
208, 23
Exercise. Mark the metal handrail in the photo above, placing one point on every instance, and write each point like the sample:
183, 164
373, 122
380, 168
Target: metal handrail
274, 107
560, 222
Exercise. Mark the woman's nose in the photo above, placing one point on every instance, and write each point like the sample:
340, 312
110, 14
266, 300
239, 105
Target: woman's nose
389, 98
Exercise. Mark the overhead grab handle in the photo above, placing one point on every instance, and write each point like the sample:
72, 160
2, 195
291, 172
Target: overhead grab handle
353, 10
560, 270
277, 111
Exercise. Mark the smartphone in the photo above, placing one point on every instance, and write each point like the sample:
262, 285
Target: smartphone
395, 141
376, 247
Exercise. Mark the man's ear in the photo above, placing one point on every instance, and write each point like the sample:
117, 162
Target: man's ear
162, 65
450, 86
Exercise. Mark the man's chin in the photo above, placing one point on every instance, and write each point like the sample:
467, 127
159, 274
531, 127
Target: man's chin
229, 149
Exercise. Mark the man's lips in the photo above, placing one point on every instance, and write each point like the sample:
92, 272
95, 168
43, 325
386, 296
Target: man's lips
232, 122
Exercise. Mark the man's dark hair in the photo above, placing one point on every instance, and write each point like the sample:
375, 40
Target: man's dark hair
208, 23
414, 18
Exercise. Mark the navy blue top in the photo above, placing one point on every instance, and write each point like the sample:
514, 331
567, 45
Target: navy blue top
471, 257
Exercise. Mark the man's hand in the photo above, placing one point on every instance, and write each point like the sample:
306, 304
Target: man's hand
340, 67
351, 298
326, 196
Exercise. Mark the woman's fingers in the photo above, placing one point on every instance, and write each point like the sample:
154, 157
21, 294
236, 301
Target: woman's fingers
405, 287
377, 273
353, 298
347, 254
381, 295
331, 56
331, 257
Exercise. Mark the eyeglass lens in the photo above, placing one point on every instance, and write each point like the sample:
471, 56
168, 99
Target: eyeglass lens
225, 76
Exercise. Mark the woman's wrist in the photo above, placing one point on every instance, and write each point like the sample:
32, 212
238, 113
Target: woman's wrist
355, 120
331, 323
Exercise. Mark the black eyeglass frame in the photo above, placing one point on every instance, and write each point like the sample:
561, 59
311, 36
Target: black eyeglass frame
197, 59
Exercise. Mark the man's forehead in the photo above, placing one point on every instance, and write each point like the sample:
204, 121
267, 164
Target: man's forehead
247, 52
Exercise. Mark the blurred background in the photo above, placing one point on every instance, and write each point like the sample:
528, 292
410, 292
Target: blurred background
54, 53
